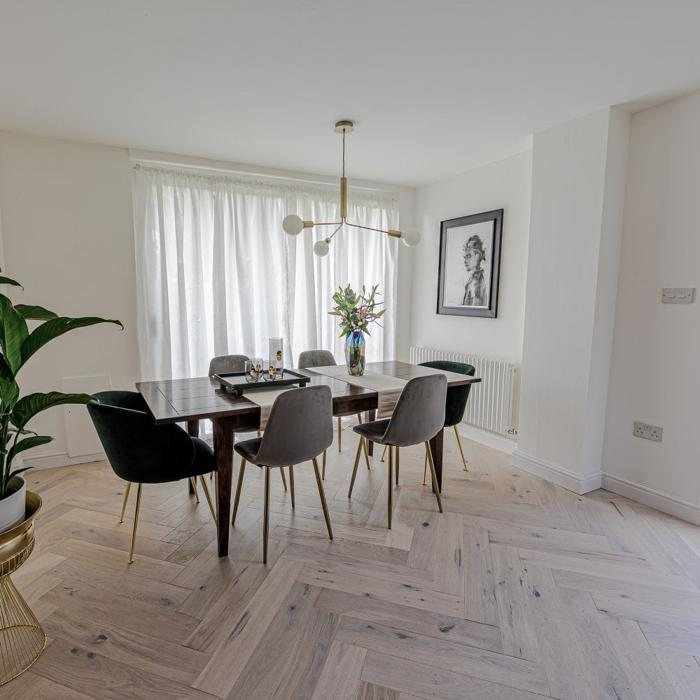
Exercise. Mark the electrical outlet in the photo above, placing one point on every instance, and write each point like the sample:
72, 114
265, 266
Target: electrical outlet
678, 295
648, 432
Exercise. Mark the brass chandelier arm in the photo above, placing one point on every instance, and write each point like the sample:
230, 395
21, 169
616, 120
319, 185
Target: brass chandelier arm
390, 232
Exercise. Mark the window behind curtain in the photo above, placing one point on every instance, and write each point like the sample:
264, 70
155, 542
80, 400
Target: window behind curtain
217, 275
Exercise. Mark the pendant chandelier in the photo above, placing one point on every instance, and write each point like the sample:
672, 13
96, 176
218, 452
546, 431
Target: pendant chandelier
294, 225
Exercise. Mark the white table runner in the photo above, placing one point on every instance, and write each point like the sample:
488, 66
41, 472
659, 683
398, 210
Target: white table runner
264, 398
388, 388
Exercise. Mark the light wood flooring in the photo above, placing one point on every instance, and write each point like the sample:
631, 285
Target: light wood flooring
519, 590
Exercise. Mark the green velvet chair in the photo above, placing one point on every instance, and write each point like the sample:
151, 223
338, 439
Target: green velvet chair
142, 452
456, 402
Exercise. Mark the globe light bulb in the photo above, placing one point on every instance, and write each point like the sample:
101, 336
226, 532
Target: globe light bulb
322, 247
411, 237
292, 224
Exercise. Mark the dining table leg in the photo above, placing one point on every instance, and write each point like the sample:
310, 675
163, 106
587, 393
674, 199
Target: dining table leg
436, 450
223, 454
193, 430
371, 415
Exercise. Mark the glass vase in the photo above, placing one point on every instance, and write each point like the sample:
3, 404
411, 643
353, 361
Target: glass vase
355, 353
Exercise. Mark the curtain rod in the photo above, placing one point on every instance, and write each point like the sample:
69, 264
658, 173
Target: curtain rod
179, 165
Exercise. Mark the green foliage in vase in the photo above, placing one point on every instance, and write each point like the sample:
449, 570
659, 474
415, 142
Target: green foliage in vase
17, 345
356, 311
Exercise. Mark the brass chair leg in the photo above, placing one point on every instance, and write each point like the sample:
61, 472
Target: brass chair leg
425, 465
396, 451
266, 513
126, 498
364, 444
323, 470
203, 482
340, 434
284, 480
433, 475
381, 459
389, 487
193, 483
461, 451
291, 482
322, 494
136, 522
354, 467
237, 498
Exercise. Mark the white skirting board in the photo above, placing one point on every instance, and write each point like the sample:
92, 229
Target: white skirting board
60, 459
556, 474
685, 510
492, 440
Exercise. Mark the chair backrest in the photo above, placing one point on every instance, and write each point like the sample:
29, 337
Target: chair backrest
456, 395
315, 358
223, 364
420, 411
138, 449
299, 428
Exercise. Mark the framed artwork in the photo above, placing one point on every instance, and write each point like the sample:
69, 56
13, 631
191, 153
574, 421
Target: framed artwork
470, 259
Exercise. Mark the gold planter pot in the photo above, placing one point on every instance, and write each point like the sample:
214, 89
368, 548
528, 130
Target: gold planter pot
22, 638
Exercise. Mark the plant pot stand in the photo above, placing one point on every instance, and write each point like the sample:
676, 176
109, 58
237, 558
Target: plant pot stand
22, 638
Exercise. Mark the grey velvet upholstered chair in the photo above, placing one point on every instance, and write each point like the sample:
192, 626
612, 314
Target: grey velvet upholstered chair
325, 358
227, 363
299, 429
418, 417
234, 363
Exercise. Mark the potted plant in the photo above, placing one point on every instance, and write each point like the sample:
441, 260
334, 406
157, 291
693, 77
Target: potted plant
17, 345
356, 312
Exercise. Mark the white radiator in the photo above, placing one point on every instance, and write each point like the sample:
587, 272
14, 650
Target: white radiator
493, 403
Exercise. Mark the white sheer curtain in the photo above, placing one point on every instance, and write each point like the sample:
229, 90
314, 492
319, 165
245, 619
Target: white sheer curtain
217, 275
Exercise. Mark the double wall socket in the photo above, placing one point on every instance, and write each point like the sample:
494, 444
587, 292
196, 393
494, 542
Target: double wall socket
678, 295
648, 432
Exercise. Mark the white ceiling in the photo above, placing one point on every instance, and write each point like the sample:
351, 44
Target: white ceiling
436, 86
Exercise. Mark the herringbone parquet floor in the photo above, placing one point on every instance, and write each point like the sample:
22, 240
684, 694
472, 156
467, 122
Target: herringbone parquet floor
519, 590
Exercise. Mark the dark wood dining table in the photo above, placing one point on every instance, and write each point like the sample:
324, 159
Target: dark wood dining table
191, 400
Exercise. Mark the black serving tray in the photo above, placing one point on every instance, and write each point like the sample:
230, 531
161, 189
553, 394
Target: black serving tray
235, 383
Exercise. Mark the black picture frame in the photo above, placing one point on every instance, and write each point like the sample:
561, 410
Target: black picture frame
473, 239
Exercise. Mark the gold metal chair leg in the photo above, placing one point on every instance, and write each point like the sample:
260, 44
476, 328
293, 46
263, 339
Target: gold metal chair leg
203, 482
136, 522
433, 475
193, 483
322, 494
354, 467
266, 513
364, 444
126, 498
389, 486
284, 479
397, 452
425, 465
340, 434
381, 459
237, 498
291, 482
461, 451
323, 470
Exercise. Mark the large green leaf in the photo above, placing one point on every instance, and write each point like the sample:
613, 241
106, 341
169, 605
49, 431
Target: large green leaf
34, 313
31, 404
26, 444
54, 327
9, 391
9, 280
13, 332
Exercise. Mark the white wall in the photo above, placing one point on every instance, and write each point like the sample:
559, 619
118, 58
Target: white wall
577, 183
503, 184
67, 229
654, 375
